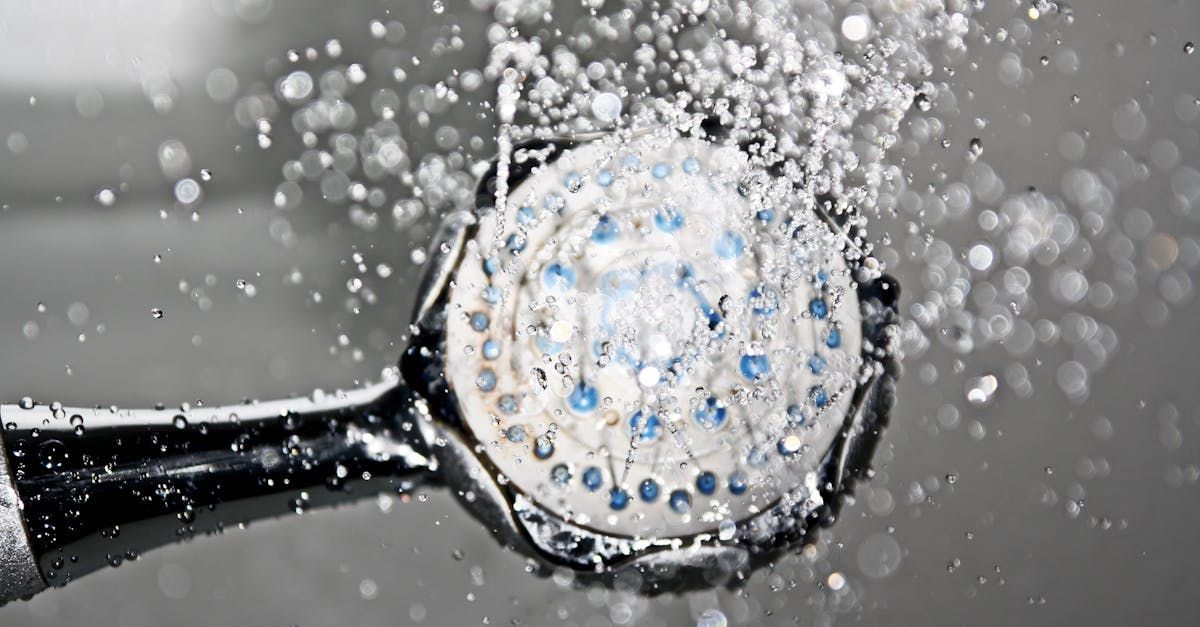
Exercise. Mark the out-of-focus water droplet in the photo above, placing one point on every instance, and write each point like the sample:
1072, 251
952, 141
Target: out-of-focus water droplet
333, 48
856, 27
879, 556
17, 142
606, 106
980, 390
368, 589
173, 159
296, 87
187, 191
712, 618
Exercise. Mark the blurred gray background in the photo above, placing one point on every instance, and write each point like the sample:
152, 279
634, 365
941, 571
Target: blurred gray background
1058, 512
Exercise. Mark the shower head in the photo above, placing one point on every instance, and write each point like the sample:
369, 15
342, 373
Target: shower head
657, 351
639, 352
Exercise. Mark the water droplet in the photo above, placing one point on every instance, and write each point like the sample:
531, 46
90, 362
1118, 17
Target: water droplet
106, 197
187, 191
53, 454
726, 530
606, 106
712, 617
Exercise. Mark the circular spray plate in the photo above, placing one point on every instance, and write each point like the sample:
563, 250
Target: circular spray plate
648, 341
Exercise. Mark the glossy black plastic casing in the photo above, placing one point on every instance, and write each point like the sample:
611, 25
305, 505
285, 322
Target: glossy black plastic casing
100, 486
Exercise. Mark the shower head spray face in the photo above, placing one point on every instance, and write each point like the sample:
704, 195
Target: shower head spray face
654, 349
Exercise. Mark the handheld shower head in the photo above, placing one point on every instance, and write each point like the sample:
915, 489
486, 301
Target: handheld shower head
654, 356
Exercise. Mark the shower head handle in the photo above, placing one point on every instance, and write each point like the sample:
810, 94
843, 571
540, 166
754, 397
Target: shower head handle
81, 489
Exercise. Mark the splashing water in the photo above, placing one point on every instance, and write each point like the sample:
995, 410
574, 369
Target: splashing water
841, 102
